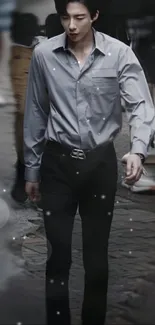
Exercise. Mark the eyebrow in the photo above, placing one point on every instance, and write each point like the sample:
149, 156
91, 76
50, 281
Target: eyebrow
80, 15
77, 15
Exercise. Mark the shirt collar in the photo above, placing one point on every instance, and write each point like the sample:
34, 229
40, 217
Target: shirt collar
60, 42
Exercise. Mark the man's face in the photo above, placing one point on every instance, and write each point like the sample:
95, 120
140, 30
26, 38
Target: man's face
77, 22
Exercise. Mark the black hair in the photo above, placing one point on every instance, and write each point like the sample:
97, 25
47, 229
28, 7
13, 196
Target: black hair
61, 6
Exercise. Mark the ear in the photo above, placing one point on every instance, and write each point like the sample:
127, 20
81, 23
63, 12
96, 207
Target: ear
95, 17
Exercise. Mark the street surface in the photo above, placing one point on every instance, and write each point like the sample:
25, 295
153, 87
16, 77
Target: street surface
23, 250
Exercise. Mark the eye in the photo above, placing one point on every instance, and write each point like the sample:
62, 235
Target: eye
80, 18
64, 17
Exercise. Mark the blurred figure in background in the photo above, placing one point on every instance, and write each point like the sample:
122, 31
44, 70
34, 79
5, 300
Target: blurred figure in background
33, 22
141, 33
6, 9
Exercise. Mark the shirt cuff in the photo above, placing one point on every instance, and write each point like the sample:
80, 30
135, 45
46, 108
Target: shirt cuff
32, 174
139, 147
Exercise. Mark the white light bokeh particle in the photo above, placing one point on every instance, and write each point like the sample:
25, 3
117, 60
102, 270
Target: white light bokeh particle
48, 213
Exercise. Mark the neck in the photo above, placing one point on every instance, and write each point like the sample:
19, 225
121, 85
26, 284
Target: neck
84, 45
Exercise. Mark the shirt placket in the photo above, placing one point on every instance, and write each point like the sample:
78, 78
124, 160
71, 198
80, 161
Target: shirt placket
82, 104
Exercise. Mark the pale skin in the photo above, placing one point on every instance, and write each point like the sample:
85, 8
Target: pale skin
77, 24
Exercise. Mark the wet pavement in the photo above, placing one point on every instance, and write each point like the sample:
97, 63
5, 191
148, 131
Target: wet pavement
23, 250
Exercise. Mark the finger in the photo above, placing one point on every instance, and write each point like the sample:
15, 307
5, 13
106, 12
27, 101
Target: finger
129, 168
134, 171
139, 175
133, 177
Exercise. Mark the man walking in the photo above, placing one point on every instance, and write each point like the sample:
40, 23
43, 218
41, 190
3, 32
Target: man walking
73, 113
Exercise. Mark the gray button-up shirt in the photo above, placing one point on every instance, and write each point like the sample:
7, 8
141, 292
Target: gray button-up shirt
81, 107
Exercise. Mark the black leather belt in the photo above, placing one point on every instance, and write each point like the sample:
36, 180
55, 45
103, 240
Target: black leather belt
74, 153
79, 154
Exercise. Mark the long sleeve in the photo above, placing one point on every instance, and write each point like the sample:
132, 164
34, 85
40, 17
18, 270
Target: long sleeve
140, 109
35, 119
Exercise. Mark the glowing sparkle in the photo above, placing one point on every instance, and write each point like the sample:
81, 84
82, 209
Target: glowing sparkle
130, 219
77, 173
117, 202
103, 197
98, 88
48, 213
19, 323
51, 281
24, 237
62, 283
109, 213
130, 252
53, 69
4, 190
109, 54
95, 195
103, 118
58, 312
131, 230
14, 238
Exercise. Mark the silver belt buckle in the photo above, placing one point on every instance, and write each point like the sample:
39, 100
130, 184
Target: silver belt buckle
78, 154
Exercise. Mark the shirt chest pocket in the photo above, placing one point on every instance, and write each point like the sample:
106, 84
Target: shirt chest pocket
104, 81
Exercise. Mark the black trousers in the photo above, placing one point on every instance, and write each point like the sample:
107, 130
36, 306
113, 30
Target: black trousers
65, 184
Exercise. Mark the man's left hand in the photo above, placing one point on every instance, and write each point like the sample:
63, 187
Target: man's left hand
134, 168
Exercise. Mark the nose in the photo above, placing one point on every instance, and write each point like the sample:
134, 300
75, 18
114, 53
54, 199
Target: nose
72, 26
